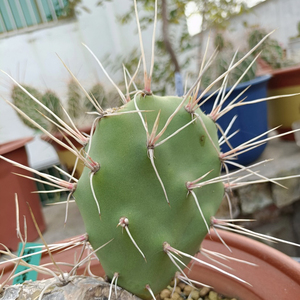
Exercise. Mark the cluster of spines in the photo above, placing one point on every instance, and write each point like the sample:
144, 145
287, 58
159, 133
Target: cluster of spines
230, 181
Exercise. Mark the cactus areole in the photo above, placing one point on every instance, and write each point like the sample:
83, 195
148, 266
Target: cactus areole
151, 189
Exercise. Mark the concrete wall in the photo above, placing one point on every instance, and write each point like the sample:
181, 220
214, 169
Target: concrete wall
31, 59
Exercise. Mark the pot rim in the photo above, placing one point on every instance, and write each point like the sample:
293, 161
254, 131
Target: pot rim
274, 275
279, 282
14, 145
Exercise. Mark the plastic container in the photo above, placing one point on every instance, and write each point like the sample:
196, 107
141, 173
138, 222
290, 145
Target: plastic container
252, 119
286, 110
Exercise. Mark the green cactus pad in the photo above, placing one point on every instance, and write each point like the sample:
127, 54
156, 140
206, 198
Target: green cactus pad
126, 185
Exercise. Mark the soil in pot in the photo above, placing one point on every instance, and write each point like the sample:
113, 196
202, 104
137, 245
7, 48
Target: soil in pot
182, 291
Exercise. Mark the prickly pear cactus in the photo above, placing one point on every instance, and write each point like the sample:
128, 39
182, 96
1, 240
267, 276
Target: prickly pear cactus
147, 190
98, 93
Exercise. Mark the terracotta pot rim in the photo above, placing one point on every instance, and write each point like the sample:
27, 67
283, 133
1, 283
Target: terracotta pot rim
274, 275
285, 78
15, 144
286, 70
273, 257
199, 272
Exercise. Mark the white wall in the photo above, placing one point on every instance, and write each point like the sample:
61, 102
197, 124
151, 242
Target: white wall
31, 59
281, 15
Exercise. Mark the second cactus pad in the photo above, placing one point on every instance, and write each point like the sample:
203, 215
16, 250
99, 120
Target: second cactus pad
147, 192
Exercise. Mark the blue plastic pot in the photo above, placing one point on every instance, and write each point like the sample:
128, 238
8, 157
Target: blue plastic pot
251, 121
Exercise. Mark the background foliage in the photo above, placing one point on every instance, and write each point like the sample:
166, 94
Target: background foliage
174, 45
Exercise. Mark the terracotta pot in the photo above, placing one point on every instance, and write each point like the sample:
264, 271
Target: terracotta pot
11, 184
276, 275
284, 111
66, 158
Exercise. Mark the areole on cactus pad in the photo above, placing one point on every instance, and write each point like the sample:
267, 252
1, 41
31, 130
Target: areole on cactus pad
155, 195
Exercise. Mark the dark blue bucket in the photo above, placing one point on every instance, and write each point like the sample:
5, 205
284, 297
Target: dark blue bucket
251, 121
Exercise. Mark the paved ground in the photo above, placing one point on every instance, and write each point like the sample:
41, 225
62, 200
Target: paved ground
55, 216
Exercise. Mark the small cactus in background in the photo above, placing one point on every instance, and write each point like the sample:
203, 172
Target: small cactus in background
51, 100
97, 92
25, 103
272, 52
152, 180
77, 105
74, 99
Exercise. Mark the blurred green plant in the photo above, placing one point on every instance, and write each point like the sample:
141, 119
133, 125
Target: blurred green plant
77, 104
272, 52
28, 106
70, 9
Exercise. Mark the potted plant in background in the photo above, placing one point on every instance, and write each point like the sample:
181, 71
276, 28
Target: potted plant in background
285, 80
246, 81
285, 112
294, 45
267, 76
77, 109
